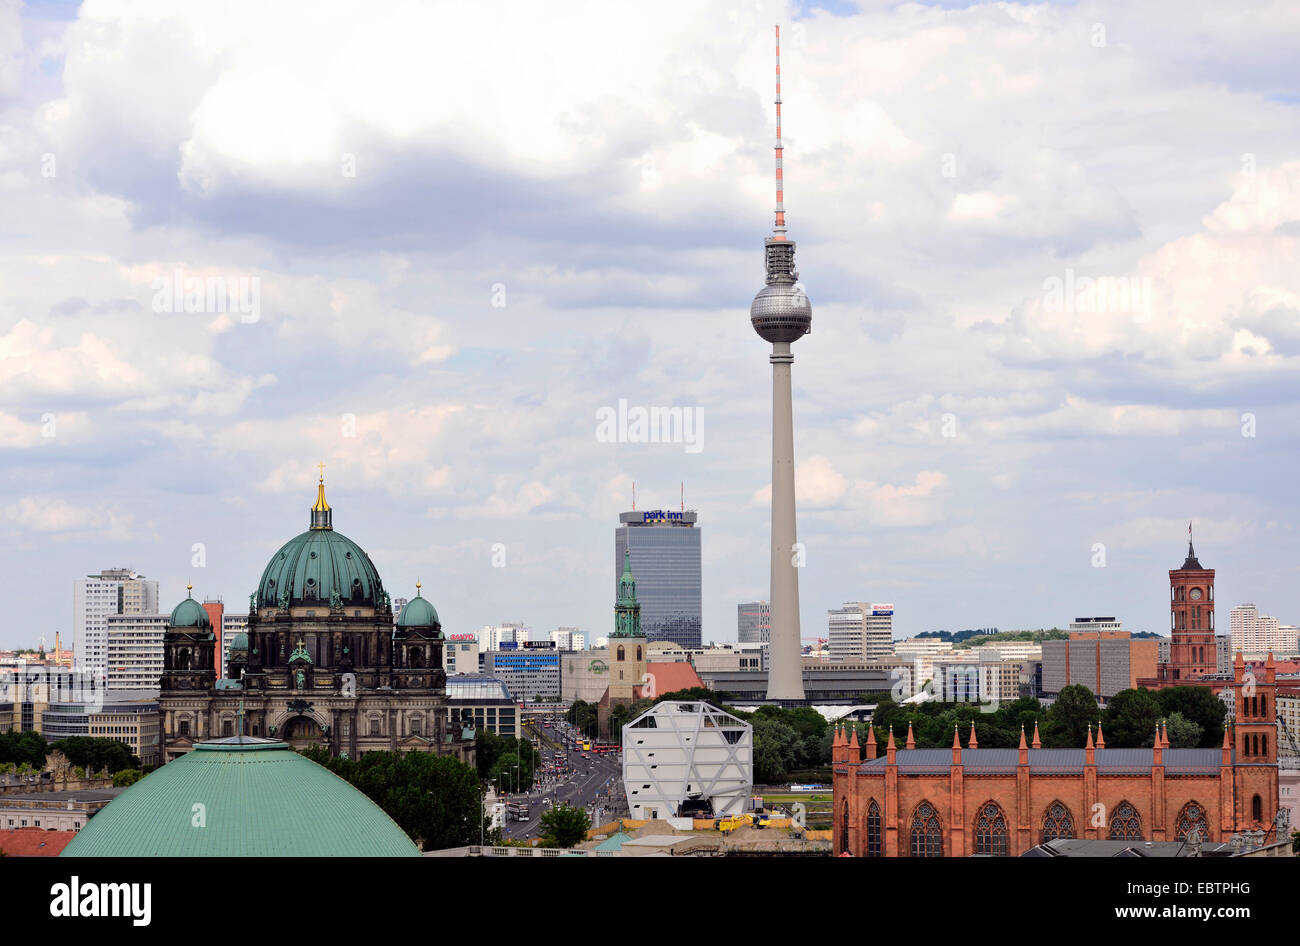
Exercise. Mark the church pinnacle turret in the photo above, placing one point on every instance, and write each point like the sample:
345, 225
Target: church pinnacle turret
322, 517
627, 610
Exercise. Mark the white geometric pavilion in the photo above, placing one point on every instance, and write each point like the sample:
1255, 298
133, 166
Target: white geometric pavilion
680, 751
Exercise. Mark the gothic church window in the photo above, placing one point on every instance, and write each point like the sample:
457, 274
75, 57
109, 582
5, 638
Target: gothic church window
1057, 822
926, 834
991, 831
1125, 824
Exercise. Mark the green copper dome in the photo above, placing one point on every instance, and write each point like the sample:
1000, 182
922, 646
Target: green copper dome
418, 612
189, 613
241, 797
239, 642
313, 566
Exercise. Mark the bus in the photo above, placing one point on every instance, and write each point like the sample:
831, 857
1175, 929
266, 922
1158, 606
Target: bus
517, 811
586, 745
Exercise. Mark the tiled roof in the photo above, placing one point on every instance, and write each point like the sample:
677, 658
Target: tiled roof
1053, 761
34, 842
671, 677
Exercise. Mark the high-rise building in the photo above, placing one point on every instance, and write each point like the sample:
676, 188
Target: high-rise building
135, 650
665, 552
512, 635
216, 610
569, 638
231, 625
1255, 633
861, 630
781, 314
753, 622
94, 598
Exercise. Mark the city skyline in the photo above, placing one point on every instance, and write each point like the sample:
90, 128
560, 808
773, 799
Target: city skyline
973, 424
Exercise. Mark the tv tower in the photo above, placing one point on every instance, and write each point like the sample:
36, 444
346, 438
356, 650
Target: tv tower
781, 314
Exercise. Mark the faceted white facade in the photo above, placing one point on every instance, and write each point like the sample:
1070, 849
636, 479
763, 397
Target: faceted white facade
680, 751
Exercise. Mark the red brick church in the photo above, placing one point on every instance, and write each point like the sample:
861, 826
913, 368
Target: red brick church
960, 802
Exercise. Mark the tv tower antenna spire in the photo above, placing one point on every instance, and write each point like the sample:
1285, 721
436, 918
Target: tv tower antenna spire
778, 231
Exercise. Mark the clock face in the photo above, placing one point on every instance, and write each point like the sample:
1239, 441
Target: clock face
1195, 594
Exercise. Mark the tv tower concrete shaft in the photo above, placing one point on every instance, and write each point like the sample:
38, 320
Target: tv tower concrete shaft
785, 676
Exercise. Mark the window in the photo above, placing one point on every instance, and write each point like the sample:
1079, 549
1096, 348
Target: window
1257, 808
227, 727
874, 848
991, 831
184, 728
926, 835
1125, 824
844, 826
1192, 817
374, 726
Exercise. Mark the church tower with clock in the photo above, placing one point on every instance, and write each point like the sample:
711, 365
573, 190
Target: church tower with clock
1191, 616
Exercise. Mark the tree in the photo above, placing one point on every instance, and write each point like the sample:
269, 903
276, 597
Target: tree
436, 800
126, 778
23, 747
1183, 733
776, 750
1131, 719
1068, 719
505, 775
96, 755
564, 826
1198, 705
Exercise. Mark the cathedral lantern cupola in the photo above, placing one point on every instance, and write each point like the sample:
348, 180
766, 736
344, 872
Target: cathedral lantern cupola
417, 644
189, 647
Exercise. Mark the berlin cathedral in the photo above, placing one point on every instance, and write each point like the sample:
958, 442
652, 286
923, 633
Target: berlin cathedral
322, 660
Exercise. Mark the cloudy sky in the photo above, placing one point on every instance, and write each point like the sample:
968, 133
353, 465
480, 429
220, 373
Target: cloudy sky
461, 230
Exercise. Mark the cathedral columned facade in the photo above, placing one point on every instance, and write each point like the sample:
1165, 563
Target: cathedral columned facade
321, 662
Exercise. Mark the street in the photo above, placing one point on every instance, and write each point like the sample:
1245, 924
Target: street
595, 785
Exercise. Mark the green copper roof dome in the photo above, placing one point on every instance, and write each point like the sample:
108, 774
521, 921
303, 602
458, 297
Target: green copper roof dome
239, 642
189, 613
241, 797
310, 568
418, 612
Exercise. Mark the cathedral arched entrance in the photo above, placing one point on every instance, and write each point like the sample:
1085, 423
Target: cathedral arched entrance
303, 731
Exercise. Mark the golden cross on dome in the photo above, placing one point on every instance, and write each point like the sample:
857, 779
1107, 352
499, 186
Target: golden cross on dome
321, 467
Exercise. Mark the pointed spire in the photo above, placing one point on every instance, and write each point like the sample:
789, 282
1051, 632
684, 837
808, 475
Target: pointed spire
853, 742
1089, 745
956, 737
1101, 740
854, 750
974, 743
1024, 749
891, 737
1037, 742
1023, 744
778, 230
911, 740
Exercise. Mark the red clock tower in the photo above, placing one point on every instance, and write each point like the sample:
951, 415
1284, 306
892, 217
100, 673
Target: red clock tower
1191, 614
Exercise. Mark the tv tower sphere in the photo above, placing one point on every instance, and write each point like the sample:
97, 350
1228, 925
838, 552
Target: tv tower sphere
781, 312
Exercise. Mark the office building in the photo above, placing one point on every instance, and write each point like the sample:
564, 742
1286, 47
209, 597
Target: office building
529, 673
135, 650
665, 552
1256, 635
569, 638
94, 598
461, 655
1103, 661
860, 630
231, 626
482, 703
754, 622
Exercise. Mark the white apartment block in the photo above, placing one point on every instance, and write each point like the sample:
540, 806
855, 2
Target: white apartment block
569, 638
231, 626
493, 637
1014, 650
135, 650
860, 630
94, 598
1255, 634
460, 655
1288, 724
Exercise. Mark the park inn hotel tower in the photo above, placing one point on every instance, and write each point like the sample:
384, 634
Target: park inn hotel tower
664, 550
